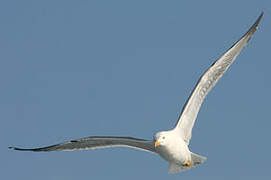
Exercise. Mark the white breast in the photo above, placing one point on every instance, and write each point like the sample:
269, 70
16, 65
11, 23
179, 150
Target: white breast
175, 150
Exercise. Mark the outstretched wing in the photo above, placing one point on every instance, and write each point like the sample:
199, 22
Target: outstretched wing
206, 83
95, 142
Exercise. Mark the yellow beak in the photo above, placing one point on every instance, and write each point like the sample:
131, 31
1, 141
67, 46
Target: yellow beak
156, 144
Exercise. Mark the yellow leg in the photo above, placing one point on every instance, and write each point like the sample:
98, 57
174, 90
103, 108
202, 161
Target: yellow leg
188, 163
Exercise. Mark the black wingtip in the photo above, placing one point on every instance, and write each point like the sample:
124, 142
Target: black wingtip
15, 148
255, 25
259, 18
253, 28
20, 149
261, 14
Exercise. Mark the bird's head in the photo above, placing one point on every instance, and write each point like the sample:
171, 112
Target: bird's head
160, 139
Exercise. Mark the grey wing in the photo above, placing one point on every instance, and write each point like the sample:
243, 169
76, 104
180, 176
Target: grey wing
207, 81
95, 142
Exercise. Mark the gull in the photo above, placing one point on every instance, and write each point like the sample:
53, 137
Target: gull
171, 145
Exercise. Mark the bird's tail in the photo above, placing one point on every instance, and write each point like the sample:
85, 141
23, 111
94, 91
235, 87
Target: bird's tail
195, 160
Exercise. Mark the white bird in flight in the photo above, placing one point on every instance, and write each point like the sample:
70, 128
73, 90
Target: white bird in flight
172, 145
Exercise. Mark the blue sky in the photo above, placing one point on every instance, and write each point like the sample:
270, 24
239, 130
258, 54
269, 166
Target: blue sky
71, 69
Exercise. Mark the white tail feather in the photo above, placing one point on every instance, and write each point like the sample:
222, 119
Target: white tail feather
195, 160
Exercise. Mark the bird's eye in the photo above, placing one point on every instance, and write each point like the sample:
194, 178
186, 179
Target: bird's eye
163, 137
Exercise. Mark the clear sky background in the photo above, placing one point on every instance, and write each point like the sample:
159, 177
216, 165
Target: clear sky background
71, 69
